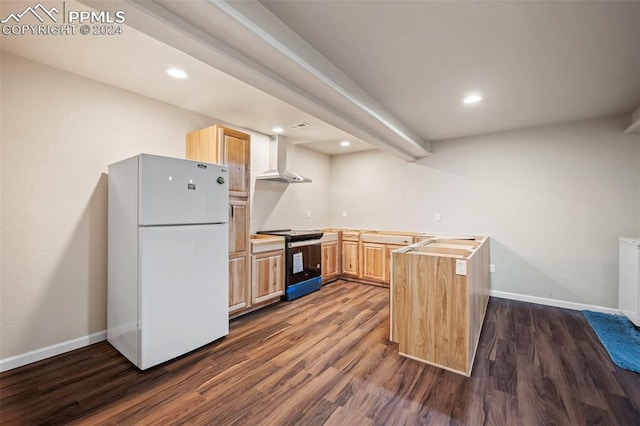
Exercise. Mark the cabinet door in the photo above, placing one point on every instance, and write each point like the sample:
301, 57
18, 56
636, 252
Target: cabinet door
387, 254
235, 149
329, 260
238, 226
350, 258
267, 273
373, 261
238, 279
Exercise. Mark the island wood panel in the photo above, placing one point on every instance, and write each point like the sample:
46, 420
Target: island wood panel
437, 315
267, 276
478, 275
441, 251
431, 310
439, 242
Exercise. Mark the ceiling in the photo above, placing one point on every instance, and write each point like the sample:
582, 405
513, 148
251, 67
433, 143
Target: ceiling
137, 62
535, 63
390, 73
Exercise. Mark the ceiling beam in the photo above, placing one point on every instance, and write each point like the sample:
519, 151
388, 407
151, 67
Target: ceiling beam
248, 42
635, 123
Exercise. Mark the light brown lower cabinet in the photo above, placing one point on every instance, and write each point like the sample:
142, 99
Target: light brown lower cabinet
373, 262
329, 261
238, 279
267, 273
388, 249
239, 290
256, 280
439, 295
375, 254
238, 225
350, 258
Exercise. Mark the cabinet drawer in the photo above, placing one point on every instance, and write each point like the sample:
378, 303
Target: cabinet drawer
398, 240
350, 235
260, 244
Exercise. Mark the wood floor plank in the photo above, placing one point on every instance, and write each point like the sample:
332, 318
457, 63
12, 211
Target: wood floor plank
325, 359
301, 398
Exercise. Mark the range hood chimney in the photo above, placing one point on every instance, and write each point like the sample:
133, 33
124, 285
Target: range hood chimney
278, 148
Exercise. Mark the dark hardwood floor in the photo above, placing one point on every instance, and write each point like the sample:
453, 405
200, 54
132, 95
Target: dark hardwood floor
325, 359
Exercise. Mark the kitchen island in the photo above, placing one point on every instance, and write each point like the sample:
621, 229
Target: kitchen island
439, 294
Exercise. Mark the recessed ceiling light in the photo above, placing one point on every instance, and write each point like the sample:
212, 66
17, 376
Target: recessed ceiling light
472, 99
345, 143
277, 129
176, 73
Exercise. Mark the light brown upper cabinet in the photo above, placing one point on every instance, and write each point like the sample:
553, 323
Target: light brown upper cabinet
222, 145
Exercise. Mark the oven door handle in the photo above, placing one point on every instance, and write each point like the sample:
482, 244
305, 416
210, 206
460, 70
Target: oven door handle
303, 243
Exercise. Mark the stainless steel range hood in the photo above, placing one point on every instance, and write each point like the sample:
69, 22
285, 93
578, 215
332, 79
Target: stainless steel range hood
278, 172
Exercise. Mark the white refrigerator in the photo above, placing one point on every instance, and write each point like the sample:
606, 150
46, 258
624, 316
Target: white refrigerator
629, 279
167, 257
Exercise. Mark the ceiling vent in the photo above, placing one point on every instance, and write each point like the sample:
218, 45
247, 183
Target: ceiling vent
300, 125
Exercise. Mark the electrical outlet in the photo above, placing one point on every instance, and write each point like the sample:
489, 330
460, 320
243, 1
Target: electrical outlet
437, 216
492, 267
308, 213
344, 213
461, 267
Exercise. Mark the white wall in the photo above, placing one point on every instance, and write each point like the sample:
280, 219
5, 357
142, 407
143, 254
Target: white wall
59, 133
553, 199
279, 205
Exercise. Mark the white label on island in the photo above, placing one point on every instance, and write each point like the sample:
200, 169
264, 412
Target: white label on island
461, 267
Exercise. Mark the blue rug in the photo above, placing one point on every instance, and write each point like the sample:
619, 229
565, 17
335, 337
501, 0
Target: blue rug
619, 337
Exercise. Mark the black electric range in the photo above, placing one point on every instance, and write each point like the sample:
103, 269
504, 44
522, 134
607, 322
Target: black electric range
303, 261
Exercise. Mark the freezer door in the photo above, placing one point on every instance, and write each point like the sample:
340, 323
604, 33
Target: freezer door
629, 280
175, 191
184, 290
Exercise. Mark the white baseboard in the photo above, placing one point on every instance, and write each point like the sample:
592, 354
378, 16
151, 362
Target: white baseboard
53, 350
553, 302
